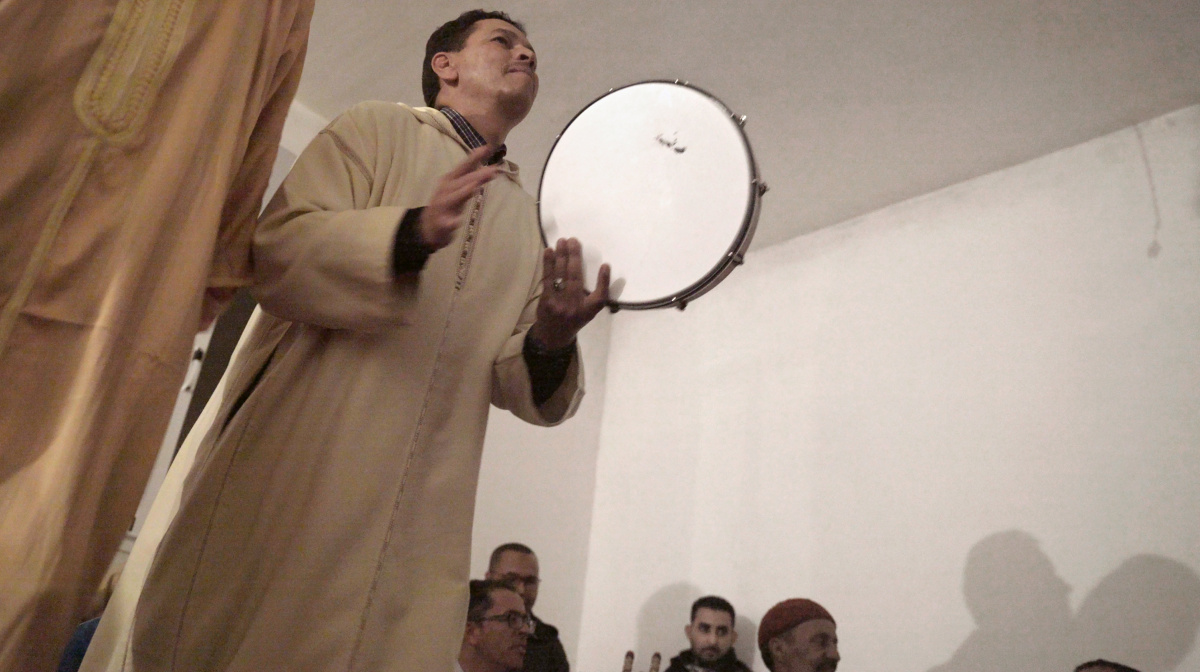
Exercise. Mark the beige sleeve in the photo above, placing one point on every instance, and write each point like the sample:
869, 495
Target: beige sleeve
322, 253
511, 389
231, 257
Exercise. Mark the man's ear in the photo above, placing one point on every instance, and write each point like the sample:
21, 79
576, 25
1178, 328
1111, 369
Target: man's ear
687, 630
443, 67
733, 639
471, 634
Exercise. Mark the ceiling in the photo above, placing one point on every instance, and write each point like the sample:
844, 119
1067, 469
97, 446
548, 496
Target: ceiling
852, 105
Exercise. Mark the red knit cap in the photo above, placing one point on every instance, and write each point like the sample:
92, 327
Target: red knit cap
787, 615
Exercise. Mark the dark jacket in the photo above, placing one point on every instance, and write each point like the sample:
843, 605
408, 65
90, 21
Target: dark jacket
543, 651
686, 662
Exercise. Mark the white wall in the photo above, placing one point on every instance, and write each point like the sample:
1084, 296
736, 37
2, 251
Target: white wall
853, 412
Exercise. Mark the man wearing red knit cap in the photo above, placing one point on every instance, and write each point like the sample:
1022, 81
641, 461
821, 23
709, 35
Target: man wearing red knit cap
798, 635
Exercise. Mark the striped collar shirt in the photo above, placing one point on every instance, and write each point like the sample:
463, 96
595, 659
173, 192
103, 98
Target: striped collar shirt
471, 136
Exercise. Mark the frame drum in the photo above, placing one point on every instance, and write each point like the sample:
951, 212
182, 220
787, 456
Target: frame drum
657, 179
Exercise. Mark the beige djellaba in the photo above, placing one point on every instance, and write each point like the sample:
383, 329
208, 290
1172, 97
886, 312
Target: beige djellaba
136, 140
326, 524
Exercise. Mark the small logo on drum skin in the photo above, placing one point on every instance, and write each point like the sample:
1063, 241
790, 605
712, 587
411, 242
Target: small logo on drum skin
673, 143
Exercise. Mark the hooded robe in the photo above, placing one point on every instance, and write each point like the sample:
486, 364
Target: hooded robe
326, 524
136, 138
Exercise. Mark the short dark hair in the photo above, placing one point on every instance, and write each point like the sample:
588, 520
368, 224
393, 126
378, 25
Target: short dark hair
716, 604
1100, 664
504, 548
451, 36
481, 597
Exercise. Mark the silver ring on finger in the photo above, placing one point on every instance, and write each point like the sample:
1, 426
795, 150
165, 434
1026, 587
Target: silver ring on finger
558, 284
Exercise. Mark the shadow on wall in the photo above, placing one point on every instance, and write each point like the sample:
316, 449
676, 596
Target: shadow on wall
747, 643
1145, 614
661, 621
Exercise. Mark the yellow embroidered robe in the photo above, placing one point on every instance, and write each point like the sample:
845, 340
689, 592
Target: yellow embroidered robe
326, 523
136, 140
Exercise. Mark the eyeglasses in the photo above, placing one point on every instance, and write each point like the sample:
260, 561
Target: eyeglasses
514, 619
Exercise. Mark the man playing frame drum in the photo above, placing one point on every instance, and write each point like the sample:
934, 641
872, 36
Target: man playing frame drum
326, 524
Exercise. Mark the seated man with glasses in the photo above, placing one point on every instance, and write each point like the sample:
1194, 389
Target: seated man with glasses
497, 628
516, 564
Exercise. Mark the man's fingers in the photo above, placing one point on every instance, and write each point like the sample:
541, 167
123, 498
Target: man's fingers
593, 303
457, 197
468, 175
548, 276
560, 260
628, 667
474, 160
574, 259
457, 193
602, 281
570, 306
471, 180
655, 660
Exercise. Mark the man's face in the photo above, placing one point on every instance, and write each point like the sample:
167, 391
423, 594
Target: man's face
497, 63
711, 634
494, 639
521, 570
808, 647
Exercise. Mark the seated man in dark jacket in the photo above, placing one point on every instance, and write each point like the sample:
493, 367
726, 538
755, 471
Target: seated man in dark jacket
516, 564
712, 636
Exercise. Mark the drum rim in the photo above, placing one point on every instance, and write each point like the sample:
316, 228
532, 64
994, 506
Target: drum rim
733, 254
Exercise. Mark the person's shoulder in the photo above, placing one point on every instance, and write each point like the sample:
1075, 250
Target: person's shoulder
379, 125
543, 630
680, 661
378, 113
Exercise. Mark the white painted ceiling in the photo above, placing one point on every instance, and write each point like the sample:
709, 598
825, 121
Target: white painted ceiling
853, 105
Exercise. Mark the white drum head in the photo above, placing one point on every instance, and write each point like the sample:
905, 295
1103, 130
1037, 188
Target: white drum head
657, 180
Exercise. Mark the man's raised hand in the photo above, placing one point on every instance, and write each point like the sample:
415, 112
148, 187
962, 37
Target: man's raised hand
442, 217
565, 305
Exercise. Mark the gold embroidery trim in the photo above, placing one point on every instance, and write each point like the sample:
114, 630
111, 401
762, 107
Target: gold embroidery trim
112, 100
121, 82
468, 248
